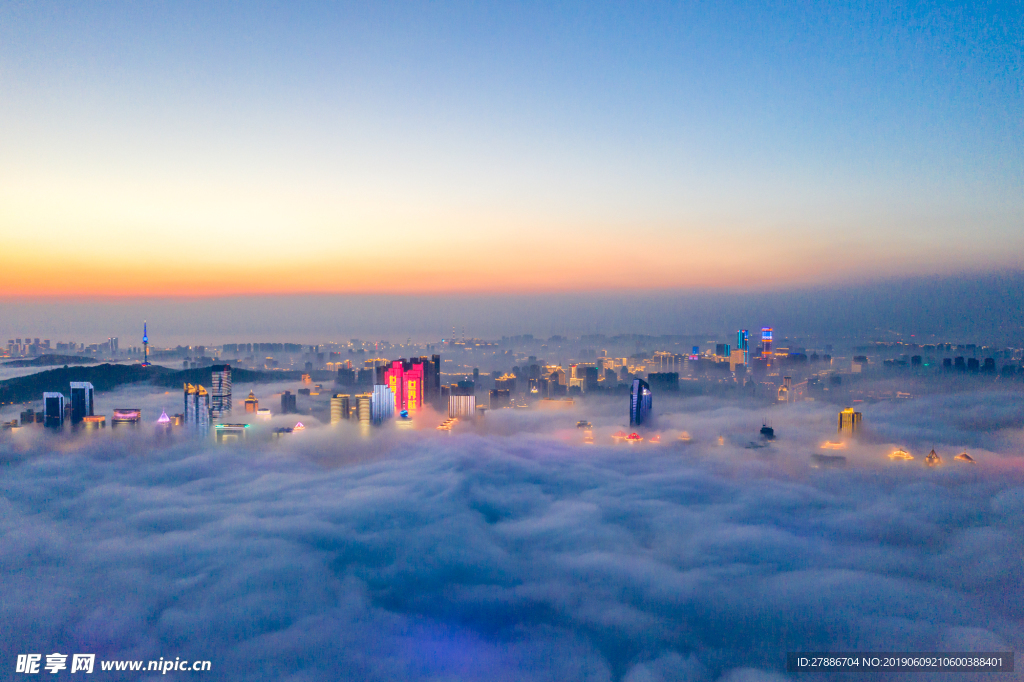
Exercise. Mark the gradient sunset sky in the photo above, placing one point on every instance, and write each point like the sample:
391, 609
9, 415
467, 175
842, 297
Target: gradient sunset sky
222, 148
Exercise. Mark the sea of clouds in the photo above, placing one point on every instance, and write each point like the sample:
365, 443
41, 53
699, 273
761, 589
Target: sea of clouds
511, 551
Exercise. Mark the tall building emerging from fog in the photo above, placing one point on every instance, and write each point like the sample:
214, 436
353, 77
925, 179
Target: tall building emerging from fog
220, 391
53, 409
766, 341
743, 344
197, 408
407, 381
251, 404
81, 401
640, 402
849, 421
341, 407
382, 405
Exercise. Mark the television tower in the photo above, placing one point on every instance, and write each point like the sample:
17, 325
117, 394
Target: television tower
145, 345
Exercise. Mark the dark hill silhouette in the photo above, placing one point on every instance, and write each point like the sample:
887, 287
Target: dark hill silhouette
51, 360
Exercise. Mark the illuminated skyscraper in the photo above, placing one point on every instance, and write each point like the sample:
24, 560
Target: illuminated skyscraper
406, 379
849, 421
197, 408
382, 405
766, 341
340, 407
640, 402
364, 405
220, 391
251, 404
461, 406
53, 408
743, 344
288, 403
81, 401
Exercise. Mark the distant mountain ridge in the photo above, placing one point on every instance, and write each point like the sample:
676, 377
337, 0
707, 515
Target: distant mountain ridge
107, 377
50, 360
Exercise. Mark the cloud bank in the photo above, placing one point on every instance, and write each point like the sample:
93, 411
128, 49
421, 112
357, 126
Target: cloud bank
515, 553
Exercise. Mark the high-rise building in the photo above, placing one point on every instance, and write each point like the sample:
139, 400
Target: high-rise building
499, 397
220, 391
251, 404
81, 401
382, 405
736, 358
849, 421
460, 406
197, 408
407, 381
340, 407
126, 416
766, 341
723, 350
743, 344
640, 402
288, 403
364, 405
53, 408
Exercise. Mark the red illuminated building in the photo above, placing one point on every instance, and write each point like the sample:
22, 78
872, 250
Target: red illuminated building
407, 381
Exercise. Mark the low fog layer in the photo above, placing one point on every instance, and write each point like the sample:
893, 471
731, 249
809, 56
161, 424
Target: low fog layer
511, 551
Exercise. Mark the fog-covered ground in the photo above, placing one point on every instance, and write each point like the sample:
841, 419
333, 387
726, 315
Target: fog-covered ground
510, 550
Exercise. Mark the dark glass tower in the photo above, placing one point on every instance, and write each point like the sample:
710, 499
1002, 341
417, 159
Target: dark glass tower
640, 402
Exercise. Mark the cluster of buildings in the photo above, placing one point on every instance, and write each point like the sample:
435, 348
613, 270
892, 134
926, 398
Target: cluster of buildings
77, 411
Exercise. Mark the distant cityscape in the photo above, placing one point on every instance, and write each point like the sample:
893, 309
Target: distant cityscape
365, 383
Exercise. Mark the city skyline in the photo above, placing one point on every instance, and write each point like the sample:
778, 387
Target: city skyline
280, 146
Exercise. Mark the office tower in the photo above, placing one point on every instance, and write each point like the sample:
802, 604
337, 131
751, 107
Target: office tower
81, 401
251, 404
363, 405
53, 408
640, 402
849, 421
722, 350
220, 391
590, 377
197, 408
766, 341
406, 381
288, 403
737, 358
695, 354
145, 346
499, 397
340, 407
382, 404
743, 344
461, 406
126, 416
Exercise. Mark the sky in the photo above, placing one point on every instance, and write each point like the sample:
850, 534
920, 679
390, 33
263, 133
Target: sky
196, 149
515, 553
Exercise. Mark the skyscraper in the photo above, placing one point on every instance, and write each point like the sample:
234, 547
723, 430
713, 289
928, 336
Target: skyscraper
461, 406
766, 341
340, 407
364, 410
197, 408
220, 391
382, 404
743, 344
53, 408
251, 404
640, 402
407, 380
288, 403
81, 401
849, 421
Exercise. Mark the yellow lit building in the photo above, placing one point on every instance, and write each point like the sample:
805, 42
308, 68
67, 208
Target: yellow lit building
849, 421
251, 404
